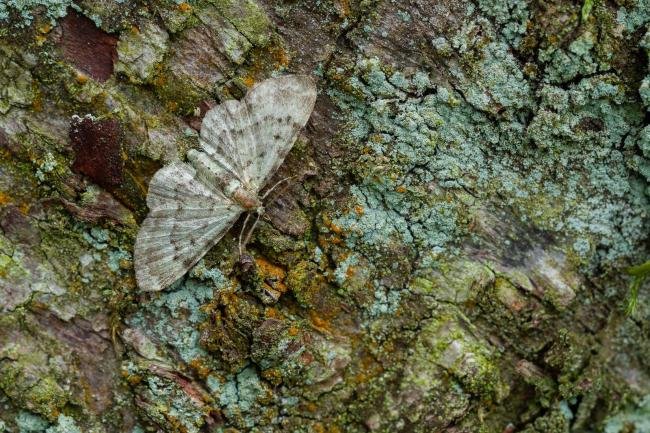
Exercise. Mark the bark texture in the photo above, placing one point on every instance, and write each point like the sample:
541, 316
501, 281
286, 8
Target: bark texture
449, 256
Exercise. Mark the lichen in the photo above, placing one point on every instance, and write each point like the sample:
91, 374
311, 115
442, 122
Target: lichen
53, 9
140, 50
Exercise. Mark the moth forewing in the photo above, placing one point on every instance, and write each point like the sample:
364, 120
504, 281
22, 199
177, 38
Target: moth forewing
191, 206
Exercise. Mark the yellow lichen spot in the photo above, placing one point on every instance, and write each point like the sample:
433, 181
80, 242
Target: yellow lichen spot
344, 8
160, 80
280, 56
172, 105
272, 313
401, 189
45, 28
37, 103
330, 225
293, 331
310, 406
133, 379
350, 271
184, 7
248, 81
273, 375
334, 429
273, 273
201, 369
4, 198
40, 39
318, 321
81, 78
318, 428
359, 210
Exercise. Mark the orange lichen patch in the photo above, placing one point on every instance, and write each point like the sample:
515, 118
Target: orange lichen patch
318, 428
40, 39
133, 379
350, 271
184, 7
160, 80
272, 313
273, 375
293, 331
310, 406
334, 429
135, 30
55, 413
359, 210
4, 198
401, 189
172, 105
81, 78
37, 103
319, 322
344, 8
279, 56
248, 80
24, 208
45, 28
273, 273
201, 370
331, 226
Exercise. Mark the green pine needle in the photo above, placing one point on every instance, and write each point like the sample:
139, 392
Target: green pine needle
640, 273
586, 9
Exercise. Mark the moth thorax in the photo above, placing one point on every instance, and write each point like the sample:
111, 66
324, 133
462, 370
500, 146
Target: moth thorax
246, 199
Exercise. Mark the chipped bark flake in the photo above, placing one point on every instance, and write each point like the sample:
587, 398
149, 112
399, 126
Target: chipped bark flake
97, 144
88, 48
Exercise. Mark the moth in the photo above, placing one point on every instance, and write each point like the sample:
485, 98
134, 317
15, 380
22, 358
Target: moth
192, 205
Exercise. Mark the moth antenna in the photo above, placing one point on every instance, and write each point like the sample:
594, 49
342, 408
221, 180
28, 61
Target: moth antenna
277, 184
243, 227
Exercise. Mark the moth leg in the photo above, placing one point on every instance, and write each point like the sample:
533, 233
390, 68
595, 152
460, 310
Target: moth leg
250, 232
277, 184
241, 233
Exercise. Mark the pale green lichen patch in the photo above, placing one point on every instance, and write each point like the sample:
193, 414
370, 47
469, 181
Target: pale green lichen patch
248, 18
140, 50
16, 84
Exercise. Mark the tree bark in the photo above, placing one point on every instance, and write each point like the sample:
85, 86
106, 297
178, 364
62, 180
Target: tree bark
448, 255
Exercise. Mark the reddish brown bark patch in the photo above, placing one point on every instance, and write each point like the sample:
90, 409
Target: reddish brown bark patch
88, 48
98, 147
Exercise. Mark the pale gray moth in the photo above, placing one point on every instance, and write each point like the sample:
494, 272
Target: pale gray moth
192, 205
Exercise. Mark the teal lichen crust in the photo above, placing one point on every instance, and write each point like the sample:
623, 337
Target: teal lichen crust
637, 418
25, 10
140, 50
